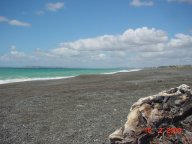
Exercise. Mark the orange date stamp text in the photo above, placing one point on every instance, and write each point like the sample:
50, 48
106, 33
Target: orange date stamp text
169, 130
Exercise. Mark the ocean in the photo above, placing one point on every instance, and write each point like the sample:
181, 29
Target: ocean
10, 75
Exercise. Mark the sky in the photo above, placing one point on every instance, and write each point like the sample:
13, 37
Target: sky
95, 33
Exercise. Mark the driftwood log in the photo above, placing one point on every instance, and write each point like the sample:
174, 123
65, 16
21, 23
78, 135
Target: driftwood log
163, 118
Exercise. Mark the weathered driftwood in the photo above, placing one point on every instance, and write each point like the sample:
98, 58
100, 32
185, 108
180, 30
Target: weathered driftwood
162, 118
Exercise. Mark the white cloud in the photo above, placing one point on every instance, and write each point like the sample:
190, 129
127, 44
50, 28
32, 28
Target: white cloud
19, 23
64, 52
100, 56
50, 7
14, 22
181, 1
141, 39
134, 47
14, 55
176, 51
181, 41
13, 48
139, 3
54, 6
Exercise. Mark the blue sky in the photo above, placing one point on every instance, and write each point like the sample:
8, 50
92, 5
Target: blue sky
95, 33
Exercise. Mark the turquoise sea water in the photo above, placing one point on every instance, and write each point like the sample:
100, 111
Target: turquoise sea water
9, 75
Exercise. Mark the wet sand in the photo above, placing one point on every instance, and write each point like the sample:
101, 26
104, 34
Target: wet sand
80, 110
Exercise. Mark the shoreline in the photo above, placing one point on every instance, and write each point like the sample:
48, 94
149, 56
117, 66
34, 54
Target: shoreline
9, 81
83, 109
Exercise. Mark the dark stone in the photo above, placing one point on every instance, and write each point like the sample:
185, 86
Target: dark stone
158, 99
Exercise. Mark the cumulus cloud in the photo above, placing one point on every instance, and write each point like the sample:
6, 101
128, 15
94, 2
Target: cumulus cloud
134, 47
181, 41
176, 51
139, 3
14, 22
141, 39
54, 6
181, 1
64, 52
14, 54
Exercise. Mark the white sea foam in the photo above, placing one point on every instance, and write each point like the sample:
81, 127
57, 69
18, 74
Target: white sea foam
31, 79
55, 78
123, 71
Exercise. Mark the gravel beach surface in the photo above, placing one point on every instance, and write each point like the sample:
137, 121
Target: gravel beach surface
79, 110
